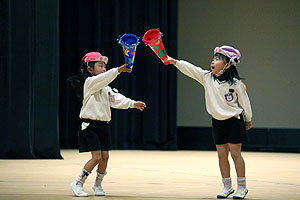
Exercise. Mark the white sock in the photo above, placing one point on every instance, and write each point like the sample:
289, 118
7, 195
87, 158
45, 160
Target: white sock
82, 177
241, 181
99, 179
227, 183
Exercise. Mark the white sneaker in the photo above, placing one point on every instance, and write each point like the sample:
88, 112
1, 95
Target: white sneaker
99, 191
225, 193
77, 188
240, 194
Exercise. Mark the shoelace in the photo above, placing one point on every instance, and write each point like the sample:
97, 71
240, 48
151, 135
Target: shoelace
226, 191
240, 192
78, 183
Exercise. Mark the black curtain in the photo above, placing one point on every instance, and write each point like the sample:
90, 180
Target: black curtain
95, 25
29, 79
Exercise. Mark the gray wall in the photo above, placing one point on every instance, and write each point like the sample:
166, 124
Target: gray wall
267, 34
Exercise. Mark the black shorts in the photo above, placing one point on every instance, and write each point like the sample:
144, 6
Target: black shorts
96, 136
231, 130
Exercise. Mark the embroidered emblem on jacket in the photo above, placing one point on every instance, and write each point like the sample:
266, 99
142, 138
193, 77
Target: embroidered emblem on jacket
229, 95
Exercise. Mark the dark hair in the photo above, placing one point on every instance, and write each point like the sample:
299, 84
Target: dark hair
229, 74
84, 67
77, 81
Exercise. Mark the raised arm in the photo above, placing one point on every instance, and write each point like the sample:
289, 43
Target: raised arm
95, 83
189, 69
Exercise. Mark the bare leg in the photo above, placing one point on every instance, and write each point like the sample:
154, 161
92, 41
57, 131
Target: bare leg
235, 151
77, 185
236, 154
223, 151
103, 162
101, 172
96, 158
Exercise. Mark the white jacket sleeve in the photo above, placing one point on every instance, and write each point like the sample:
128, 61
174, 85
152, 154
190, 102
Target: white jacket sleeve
119, 101
244, 101
191, 70
96, 83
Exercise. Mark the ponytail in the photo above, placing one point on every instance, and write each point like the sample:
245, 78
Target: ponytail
77, 81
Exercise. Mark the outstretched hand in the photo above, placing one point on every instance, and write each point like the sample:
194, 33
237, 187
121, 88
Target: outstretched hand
139, 105
171, 60
124, 68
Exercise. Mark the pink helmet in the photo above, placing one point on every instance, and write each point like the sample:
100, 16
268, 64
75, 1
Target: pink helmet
232, 53
94, 56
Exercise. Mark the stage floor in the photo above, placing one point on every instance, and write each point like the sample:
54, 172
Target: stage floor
151, 175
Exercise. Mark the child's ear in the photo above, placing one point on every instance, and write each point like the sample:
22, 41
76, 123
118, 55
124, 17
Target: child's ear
227, 65
90, 69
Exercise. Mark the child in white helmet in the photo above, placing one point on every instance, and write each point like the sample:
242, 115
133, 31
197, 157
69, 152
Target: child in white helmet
95, 115
228, 104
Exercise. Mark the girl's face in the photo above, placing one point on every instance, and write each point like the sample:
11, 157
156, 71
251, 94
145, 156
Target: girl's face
99, 68
217, 65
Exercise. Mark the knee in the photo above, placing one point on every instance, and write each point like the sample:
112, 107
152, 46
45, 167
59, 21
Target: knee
235, 155
97, 158
223, 154
104, 158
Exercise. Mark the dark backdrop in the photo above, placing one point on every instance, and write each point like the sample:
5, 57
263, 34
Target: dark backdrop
95, 26
42, 43
29, 79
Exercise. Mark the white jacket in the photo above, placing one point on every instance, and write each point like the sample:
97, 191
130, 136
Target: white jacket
223, 100
98, 97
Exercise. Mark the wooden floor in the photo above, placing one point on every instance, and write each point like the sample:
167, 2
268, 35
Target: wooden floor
159, 175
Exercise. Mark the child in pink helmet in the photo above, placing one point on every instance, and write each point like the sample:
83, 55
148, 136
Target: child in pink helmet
97, 98
228, 104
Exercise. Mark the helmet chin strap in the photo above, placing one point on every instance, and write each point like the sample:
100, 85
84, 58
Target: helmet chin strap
221, 72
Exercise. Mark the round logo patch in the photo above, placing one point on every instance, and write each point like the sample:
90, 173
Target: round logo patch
229, 95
